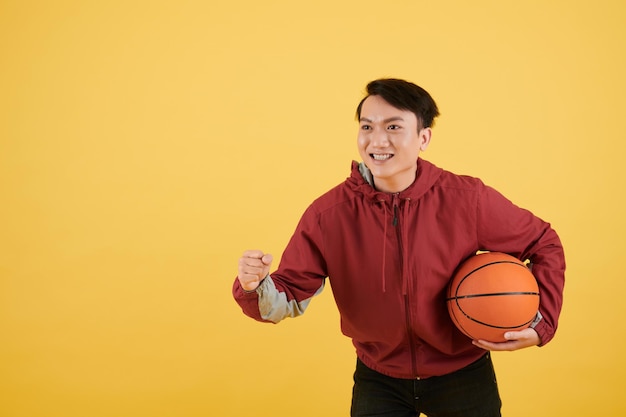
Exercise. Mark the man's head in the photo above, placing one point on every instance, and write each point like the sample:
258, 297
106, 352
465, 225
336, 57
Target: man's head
395, 120
403, 95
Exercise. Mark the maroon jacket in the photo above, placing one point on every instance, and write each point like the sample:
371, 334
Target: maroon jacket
389, 258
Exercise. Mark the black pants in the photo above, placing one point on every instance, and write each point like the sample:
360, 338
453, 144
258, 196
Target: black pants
469, 392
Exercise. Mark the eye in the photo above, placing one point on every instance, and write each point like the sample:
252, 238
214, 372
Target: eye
366, 127
394, 127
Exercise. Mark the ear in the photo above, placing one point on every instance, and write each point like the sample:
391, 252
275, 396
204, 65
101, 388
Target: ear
424, 137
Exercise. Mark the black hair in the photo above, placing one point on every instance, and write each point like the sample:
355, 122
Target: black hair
403, 95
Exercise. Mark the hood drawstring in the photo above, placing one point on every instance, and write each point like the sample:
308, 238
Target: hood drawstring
382, 203
405, 250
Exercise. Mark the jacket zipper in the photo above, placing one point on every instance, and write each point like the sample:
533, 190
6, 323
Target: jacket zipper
407, 298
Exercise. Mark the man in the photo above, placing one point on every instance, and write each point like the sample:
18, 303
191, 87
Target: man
389, 238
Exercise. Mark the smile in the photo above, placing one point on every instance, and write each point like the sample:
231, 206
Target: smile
381, 157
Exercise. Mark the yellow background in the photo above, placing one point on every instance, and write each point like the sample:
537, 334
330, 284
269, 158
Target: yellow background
145, 144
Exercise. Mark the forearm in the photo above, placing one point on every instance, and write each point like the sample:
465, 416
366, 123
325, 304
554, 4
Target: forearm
268, 304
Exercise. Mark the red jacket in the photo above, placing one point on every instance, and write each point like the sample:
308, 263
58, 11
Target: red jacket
389, 258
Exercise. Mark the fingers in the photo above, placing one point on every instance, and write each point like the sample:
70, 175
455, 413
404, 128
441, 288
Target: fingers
514, 341
253, 254
500, 346
267, 259
254, 266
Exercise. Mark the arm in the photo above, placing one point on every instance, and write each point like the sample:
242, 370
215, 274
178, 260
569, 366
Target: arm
288, 291
504, 227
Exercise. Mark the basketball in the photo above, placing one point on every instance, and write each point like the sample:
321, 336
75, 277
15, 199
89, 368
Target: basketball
492, 293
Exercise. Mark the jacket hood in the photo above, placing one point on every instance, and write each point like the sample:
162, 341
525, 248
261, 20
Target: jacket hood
362, 181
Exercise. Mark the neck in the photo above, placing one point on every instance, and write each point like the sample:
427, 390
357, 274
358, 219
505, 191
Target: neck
395, 184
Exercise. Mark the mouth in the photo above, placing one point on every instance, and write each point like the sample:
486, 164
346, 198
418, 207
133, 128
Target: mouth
381, 156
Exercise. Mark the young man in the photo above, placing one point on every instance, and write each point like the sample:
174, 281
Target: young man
389, 239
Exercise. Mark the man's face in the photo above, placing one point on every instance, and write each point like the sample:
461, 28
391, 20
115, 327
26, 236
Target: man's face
389, 143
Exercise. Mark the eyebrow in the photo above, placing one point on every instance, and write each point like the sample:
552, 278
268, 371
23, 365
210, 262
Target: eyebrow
391, 119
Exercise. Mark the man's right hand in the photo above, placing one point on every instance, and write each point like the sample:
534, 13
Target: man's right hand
254, 266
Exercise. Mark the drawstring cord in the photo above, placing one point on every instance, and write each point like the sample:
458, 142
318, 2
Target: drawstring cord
405, 251
382, 203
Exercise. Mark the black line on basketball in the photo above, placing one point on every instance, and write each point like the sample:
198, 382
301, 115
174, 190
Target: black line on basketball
494, 294
493, 326
456, 290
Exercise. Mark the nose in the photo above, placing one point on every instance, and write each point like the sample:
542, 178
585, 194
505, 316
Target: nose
379, 138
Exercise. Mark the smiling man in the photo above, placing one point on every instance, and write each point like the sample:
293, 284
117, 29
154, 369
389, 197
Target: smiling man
389, 143
389, 238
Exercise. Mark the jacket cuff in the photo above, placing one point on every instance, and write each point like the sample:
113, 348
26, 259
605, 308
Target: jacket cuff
544, 330
239, 291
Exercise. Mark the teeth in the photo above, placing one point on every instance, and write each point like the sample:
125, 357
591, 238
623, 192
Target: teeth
382, 157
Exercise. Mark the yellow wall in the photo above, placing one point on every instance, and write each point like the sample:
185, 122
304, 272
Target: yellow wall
145, 144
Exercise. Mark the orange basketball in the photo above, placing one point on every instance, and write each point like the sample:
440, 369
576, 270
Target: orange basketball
490, 294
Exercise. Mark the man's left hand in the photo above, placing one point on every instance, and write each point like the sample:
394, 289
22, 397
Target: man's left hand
514, 341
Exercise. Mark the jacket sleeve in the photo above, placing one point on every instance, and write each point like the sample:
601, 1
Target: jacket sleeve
300, 276
504, 227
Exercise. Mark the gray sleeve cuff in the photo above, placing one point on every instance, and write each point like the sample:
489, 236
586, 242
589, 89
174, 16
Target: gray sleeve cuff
536, 321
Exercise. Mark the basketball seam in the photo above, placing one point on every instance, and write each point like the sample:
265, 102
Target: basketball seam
493, 326
493, 294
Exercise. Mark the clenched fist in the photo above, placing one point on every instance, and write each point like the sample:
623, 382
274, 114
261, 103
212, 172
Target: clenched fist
254, 266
